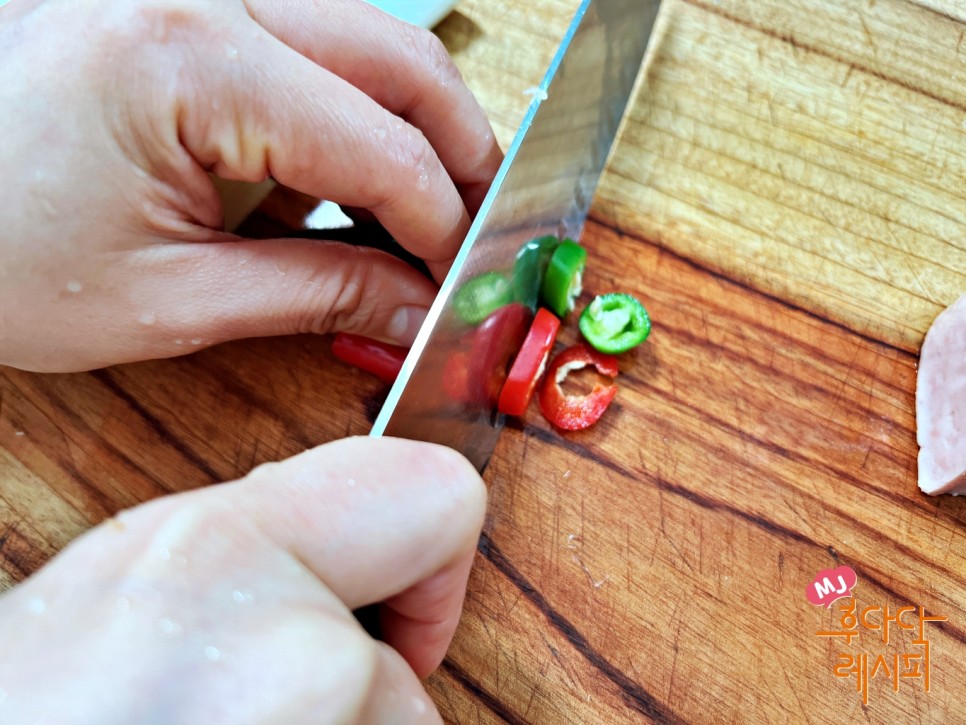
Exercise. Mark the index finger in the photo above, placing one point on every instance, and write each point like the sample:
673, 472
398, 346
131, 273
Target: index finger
405, 69
272, 111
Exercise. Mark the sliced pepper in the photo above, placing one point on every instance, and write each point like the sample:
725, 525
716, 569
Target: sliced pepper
495, 342
576, 412
615, 323
480, 296
530, 268
456, 381
564, 278
529, 364
379, 358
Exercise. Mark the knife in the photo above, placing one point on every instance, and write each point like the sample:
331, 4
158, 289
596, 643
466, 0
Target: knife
445, 390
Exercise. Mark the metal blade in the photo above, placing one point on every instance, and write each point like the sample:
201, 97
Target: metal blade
444, 393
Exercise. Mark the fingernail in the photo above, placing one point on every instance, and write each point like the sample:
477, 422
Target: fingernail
405, 324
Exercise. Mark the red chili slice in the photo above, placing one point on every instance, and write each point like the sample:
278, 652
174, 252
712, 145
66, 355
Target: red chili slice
576, 412
379, 358
456, 382
495, 342
529, 365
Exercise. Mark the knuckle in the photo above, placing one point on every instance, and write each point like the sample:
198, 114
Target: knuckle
415, 165
165, 19
340, 301
437, 61
159, 21
412, 149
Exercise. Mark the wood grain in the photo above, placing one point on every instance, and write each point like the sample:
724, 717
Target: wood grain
813, 150
788, 199
659, 562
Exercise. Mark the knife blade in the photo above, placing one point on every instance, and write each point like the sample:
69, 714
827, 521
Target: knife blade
444, 392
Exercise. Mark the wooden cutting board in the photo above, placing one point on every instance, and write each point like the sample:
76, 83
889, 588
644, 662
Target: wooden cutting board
788, 198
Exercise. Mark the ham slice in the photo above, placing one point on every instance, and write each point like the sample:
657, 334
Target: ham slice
941, 404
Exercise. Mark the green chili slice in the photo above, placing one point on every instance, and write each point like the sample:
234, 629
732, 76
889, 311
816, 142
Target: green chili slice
615, 323
530, 268
563, 279
481, 296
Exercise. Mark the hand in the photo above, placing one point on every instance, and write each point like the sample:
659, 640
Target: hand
233, 604
111, 247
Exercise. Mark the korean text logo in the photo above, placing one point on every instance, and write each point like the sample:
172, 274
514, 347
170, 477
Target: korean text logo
832, 585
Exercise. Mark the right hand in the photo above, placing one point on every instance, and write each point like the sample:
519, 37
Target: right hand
233, 604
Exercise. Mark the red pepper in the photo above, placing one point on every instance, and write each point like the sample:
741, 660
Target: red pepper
529, 365
379, 358
456, 381
576, 412
495, 342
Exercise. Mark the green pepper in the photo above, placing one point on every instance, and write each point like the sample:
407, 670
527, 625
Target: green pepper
615, 323
529, 269
480, 296
562, 282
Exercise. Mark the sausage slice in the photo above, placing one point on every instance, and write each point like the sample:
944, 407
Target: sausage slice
941, 404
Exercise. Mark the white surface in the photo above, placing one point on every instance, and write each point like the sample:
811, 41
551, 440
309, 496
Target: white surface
418, 12
425, 13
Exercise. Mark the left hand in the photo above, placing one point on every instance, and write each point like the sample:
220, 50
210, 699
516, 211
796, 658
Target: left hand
111, 247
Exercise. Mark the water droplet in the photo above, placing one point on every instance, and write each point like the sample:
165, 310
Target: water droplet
148, 318
123, 605
196, 341
351, 482
19, 433
139, 172
212, 653
567, 473
419, 705
241, 597
168, 627
422, 181
179, 342
231, 51
164, 553
74, 287
37, 606
379, 133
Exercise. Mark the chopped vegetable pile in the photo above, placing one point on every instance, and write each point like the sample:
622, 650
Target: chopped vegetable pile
611, 324
500, 357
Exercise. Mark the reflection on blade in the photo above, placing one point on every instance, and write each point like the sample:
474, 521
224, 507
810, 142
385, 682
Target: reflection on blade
446, 391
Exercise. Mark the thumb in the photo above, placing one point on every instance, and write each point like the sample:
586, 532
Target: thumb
369, 516
378, 520
203, 294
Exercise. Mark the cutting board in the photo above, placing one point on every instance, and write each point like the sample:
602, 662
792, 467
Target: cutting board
788, 198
